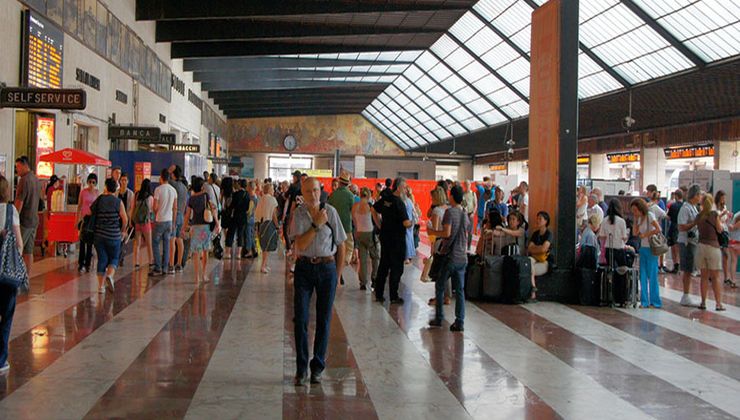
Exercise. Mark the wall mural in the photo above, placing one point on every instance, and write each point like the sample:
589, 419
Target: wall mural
352, 134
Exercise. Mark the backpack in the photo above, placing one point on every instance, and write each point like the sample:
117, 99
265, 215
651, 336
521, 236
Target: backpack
13, 271
141, 212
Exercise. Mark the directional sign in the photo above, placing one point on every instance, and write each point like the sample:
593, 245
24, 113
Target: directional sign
125, 132
22, 97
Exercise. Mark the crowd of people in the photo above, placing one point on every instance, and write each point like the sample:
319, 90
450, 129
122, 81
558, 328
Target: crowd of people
375, 232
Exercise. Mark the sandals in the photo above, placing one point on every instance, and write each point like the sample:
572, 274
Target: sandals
720, 308
730, 283
702, 307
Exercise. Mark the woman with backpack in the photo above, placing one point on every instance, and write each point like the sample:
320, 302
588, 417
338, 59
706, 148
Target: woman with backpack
141, 215
197, 225
7, 294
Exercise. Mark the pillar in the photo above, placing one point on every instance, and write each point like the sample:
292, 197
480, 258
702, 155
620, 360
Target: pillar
652, 169
553, 126
359, 166
599, 166
725, 155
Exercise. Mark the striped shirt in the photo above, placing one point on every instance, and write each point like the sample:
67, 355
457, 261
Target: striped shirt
107, 219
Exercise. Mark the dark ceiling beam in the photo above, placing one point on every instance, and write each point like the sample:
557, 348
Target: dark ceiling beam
666, 34
245, 29
286, 84
254, 48
298, 93
288, 104
489, 68
279, 75
261, 63
289, 100
595, 57
314, 111
194, 9
500, 34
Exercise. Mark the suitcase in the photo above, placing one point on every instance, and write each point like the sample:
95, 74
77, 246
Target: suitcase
619, 282
589, 282
474, 277
517, 275
493, 280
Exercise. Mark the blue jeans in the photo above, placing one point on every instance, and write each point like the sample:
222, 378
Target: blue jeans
108, 251
457, 273
7, 309
161, 233
323, 278
649, 292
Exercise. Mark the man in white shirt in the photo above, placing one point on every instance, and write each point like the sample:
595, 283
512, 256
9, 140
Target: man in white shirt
524, 200
165, 213
594, 208
688, 239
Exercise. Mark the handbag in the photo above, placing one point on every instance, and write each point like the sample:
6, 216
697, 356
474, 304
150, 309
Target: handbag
208, 213
658, 244
13, 271
440, 260
88, 225
723, 237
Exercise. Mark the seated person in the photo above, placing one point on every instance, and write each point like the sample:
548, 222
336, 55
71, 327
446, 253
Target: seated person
589, 251
539, 248
509, 240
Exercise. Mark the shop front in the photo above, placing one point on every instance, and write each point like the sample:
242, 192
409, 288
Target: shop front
686, 158
626, 166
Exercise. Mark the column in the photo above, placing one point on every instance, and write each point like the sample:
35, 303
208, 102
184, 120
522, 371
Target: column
726, 155
599, 166
553, 124
652, 169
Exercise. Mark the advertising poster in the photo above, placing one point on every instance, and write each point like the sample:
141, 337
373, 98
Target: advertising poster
44, 145
247, 170
142, 171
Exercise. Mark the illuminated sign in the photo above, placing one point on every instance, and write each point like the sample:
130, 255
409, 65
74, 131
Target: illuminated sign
698, 151
142, 134
626, 157
583, 160
497, 167
44, 145
43, 44
185, 148
168, 138
21, 97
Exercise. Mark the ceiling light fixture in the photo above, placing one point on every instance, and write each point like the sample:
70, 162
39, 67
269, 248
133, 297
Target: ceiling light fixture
453, 152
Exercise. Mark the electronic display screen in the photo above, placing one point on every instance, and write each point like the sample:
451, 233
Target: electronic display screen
44, 44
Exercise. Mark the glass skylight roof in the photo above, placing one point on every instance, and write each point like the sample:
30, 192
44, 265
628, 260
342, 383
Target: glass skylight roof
477, 74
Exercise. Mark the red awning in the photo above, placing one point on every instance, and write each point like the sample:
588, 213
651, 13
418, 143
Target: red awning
74, 157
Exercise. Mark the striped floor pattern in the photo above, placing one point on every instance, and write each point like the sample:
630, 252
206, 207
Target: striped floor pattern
166, 347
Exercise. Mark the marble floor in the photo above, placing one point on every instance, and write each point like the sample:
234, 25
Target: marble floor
166, 347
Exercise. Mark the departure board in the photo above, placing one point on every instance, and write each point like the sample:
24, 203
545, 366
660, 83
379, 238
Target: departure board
43, 47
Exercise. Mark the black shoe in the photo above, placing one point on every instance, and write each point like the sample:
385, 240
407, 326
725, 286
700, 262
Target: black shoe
676, 268
315, 377
436, 322
398, 301
341, 280
457, 326
363, 287
300, 379
379, 299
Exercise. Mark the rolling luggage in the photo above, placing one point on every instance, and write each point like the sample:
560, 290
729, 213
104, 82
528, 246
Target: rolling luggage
590, 283
517, 275
619, 282
474, 277
493, 280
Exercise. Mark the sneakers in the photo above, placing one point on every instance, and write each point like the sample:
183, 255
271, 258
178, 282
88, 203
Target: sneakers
171, 270
686, 300
5, 368
457, 326
82, 270
178, 269
265, 270
101, 290
155, 273
436, 322
109, 283
300, 379
363, 287
315, 377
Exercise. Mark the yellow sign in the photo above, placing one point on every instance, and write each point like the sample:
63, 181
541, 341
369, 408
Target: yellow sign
318, 173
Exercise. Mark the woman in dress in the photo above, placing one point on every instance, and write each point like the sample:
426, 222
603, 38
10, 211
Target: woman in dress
266, 216
725, 219
141, 216
85, 199
198, 229
110, 215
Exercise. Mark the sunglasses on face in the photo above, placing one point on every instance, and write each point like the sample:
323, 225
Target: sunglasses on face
92, 182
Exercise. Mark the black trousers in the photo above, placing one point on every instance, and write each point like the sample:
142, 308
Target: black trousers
392, 255
85, 257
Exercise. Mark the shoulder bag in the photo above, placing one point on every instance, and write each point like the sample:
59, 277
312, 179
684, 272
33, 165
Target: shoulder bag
13, 271
88, 228
440, 260
658, 243
723, 237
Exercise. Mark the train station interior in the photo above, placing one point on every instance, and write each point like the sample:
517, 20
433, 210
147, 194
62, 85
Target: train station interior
396, 209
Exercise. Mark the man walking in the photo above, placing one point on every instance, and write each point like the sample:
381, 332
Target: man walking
342, 200
165, 213
390, 214
177, 245
27, 203
318, 234
688, 239
127, 198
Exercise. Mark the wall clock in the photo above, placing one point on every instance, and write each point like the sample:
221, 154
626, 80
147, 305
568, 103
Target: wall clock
290, 143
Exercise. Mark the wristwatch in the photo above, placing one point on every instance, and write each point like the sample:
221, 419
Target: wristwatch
314, 227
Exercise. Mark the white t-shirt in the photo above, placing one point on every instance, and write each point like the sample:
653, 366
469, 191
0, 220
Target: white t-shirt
3, 211
657, 212
646, 226
596, 209
525, 201
265, 207
687, 215
214, 192
165, 196
618, 231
